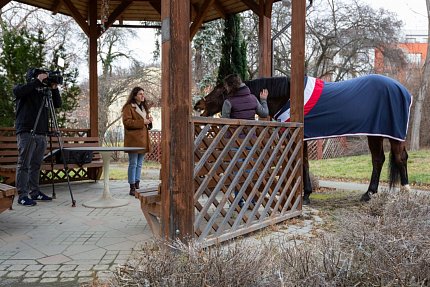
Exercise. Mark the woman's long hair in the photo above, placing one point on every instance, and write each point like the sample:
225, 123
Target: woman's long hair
233, 82
131, 99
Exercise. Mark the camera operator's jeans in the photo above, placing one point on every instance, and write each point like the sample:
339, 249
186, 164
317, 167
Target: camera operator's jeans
135, 161
27, 173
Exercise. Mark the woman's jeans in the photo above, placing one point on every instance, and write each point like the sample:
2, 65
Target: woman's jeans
135, 161
31, 150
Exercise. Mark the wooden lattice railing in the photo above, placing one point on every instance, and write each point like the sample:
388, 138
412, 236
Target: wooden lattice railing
155, 154
246, 176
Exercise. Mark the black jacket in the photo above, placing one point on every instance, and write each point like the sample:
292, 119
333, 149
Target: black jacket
29, 99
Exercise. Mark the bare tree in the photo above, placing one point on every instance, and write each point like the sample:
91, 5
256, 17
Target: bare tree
58, 30
341, 36
114, 90
422, 94
113, 83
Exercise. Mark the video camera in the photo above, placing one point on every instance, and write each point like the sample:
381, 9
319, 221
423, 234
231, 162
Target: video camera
55, 77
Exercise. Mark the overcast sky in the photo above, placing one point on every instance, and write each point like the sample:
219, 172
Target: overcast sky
413, 13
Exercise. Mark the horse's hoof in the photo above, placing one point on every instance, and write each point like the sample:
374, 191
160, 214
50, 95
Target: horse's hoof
405, 188
365, 197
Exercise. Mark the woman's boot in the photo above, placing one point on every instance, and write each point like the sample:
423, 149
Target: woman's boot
136, 185
132, 189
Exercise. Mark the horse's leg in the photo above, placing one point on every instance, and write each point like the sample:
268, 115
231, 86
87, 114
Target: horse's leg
307, 185
398, 165
377, 151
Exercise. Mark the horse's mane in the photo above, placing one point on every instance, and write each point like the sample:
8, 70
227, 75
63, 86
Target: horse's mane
279, 87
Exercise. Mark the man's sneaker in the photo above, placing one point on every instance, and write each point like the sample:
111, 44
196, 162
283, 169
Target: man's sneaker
40, 196
26, 201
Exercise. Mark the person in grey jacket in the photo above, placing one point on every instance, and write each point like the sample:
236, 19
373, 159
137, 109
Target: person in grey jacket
31, 133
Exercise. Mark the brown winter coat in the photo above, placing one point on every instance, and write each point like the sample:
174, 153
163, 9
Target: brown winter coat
135, 130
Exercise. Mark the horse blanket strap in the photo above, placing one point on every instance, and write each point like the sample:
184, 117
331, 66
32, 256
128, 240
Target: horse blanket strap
369, 105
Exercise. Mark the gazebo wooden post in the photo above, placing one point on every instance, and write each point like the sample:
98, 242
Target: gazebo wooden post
297, 66
93, 78
264, 38
177, 211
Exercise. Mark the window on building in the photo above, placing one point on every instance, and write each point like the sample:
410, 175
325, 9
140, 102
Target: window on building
413, 58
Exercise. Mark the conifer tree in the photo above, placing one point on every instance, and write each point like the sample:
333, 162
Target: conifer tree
20, 51
233, 50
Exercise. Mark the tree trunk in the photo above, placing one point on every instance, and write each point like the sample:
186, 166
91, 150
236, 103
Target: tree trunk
422, 94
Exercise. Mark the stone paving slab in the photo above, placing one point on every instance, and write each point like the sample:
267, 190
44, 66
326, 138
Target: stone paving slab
55, 244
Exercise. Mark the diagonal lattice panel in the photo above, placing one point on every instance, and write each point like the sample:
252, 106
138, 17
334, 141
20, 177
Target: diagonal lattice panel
247, 175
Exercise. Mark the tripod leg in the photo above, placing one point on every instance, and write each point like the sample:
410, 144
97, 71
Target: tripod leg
66, 170
60, 143
54, 195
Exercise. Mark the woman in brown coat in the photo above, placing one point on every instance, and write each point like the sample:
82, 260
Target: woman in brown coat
136, 118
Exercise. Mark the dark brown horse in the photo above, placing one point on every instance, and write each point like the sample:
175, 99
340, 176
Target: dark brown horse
279, 95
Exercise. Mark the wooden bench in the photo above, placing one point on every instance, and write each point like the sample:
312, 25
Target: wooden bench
51, 171
150, 203
7, 194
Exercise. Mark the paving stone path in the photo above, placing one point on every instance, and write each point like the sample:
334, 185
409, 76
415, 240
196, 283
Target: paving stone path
55, 244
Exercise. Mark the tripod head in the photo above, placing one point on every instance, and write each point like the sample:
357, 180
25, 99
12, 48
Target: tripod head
46, 91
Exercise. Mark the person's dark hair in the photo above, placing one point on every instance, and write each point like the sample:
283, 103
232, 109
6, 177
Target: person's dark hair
233, 82
131, 99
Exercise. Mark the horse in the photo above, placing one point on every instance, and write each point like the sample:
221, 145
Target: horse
373, 105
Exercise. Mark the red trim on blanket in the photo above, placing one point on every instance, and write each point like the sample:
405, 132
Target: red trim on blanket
316, 93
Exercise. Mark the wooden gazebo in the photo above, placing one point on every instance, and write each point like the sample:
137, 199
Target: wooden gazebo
180, 20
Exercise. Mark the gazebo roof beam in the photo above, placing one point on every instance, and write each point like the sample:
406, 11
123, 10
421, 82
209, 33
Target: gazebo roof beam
56, 7
252, 5
156, 5
220, 8
78, 17
116, 14
198, 20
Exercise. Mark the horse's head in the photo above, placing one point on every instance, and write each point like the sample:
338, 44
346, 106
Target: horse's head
212, 102
200, 106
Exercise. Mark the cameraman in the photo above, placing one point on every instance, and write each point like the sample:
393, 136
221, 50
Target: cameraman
31, 148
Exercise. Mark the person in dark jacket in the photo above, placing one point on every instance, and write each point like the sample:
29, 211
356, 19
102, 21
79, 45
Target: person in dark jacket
136, 119
31, 133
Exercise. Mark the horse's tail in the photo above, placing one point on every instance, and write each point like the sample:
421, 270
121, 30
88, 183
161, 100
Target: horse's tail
393, 172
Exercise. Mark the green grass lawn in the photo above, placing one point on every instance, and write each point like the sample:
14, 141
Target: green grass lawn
353, 168
359, 168
118, 170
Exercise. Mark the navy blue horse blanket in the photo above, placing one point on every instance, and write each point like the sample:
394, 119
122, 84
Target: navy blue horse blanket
369, 105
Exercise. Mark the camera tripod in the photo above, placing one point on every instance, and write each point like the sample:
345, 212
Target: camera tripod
54, 131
